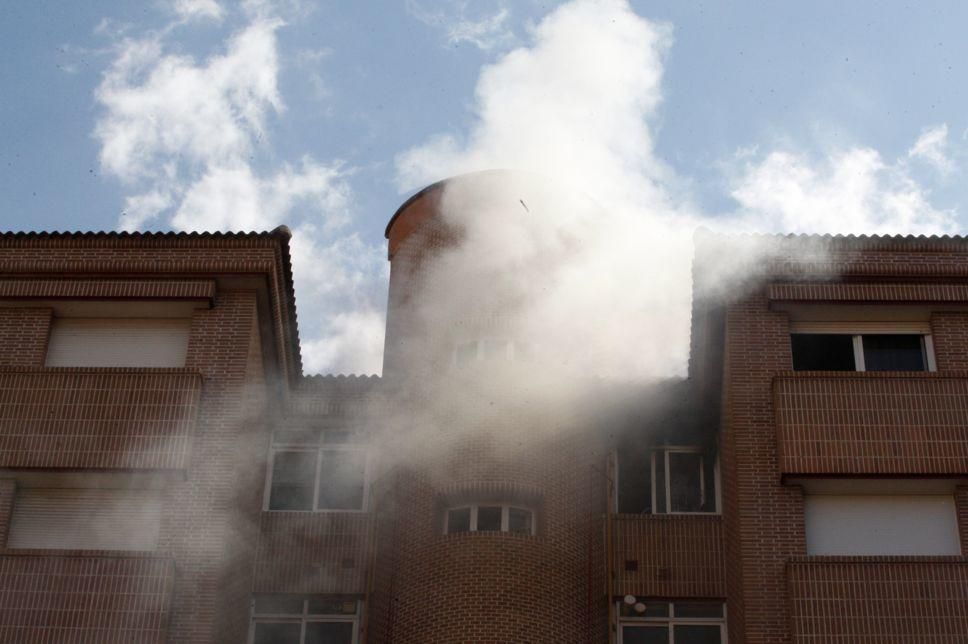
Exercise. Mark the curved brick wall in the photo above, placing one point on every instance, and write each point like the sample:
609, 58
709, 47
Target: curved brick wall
460, 437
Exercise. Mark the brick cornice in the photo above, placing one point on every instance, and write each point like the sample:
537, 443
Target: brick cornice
108, 289
846, 292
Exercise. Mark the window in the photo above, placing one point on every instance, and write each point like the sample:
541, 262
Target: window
881, 524
656, 622
667, 480
316, 470
827, 348
118, 342
85, 519
489, 349
489, 518
293, 619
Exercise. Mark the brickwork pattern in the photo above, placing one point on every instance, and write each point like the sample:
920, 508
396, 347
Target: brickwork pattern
108, 289
950, 338
313, 552
97, 417
867, 600
875, 292
673, 555
23, 336
763, 520
872, 423
84, 599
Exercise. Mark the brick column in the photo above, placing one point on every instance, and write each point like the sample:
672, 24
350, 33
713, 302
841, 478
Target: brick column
23, 336
949, 331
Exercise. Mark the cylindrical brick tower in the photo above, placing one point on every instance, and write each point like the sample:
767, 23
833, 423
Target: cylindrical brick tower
491, 488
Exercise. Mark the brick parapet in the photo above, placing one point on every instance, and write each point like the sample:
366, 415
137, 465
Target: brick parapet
868, 600
875, 423
669, 556
66, 417
84, 598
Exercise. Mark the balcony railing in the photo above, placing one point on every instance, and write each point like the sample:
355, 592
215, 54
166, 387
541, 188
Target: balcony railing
872, 423
84, 598
888, 599
671, 555
313, 552
97, 418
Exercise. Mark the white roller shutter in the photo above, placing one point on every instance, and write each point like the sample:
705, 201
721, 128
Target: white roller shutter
881, 525
85, 519
118, 342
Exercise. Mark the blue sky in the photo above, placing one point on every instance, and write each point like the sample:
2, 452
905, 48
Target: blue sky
197, 114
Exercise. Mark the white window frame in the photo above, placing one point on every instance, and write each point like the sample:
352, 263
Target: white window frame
305, 618
859, 329
505, 516
318, 449
511, 350
672, 621
683, 449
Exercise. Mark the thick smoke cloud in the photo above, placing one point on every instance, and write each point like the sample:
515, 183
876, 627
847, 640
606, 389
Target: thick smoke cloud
599, 266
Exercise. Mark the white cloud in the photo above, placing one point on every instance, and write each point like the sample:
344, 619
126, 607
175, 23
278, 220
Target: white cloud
607, 289
198, 9
932, 147
180, 134
486, 32
852, 191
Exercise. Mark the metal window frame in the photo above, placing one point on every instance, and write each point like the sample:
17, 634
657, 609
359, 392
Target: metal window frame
672, 621
685, 449
304, 618
505, 517
318, 449
858, 329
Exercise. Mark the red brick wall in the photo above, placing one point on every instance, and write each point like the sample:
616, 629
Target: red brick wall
872, 423
674, 555
867, 600
84, 599
97, 418
949, 330
23, 336
763, 520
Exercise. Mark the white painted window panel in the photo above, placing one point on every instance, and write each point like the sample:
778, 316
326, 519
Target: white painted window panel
118, 342
881, 525
85, 519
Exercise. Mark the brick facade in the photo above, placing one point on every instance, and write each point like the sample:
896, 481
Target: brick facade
440, 439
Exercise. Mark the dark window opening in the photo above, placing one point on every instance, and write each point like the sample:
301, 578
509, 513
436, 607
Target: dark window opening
823, 352
884, 352
488, 519
459, 520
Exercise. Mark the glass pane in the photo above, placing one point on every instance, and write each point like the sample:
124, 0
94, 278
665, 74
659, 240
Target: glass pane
459, 520
496, 349
329, 633
337, 436
894, 353
341, 476
653, 610
658, 458
634, 480
466, 353
645, 635
822, 352
695, 634
293, 474
699, 609
278, 605
296, 436
268, 633
685, 484
330, 606
519, 520
488, 519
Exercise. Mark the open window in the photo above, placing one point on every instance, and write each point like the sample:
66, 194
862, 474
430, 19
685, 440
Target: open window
668, 480
297, 619
861, 347
316, 471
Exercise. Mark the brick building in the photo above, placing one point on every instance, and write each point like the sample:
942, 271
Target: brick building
168, 475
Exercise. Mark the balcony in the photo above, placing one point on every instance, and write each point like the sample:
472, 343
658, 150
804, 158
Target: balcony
97, 418
313, 552
884, 423
668, 555
75, 597
888, 599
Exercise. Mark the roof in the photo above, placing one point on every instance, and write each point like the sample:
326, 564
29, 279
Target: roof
278, 237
